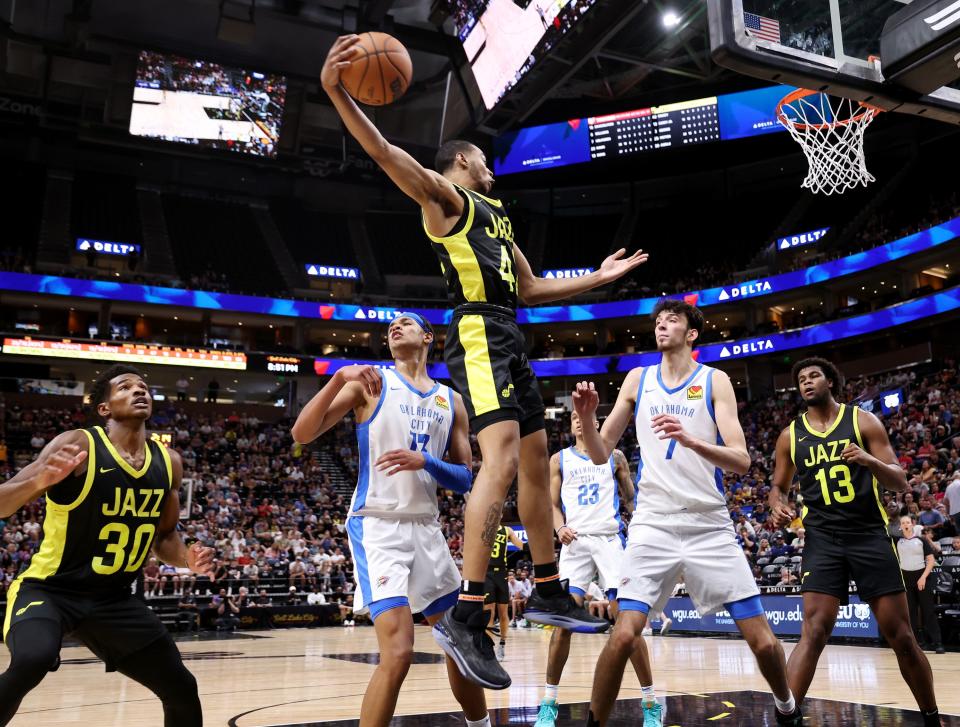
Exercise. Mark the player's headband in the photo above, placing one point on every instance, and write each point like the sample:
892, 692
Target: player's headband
414, 317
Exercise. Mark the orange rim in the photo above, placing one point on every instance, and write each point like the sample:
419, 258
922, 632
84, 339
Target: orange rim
803, 93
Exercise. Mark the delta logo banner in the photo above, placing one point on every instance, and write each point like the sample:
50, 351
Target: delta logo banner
801, 239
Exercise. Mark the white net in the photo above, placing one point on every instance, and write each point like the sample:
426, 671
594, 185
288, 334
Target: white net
830, 132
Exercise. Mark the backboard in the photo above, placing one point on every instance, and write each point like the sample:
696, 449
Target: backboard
827, 45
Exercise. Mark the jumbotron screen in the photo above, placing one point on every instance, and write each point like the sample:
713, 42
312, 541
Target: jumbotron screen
207, 104
503, 39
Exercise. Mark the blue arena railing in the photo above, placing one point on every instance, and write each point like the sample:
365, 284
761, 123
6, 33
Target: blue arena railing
912, 311
918, 242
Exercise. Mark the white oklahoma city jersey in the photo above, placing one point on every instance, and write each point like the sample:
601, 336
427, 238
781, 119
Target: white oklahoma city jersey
588, 494
404, 419
670, 477
681, 529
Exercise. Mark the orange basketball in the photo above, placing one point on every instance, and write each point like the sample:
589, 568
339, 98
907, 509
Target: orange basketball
379, 72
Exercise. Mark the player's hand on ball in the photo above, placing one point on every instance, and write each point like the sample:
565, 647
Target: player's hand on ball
400, 460
616, 265
566, 534
367, 376
200, 560
855, 455
338, 58
669, 427
56, 464
585, 400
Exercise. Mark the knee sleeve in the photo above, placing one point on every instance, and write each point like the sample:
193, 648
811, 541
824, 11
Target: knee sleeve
35, 649
160, 668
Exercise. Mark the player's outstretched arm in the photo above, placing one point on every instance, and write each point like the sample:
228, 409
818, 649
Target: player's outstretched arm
783, 470
624, 480
169, 546
533, 290
424, 186
878, 455
732, 455
65, 453
585, 401
346, 390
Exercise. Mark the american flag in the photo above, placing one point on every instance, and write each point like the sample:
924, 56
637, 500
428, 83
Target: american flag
761, 27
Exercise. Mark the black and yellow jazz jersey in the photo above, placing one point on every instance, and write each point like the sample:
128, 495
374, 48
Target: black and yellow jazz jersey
837, 495
98, 529
477, 257
498, 551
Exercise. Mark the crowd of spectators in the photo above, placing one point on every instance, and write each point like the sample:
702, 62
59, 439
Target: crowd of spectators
275, 511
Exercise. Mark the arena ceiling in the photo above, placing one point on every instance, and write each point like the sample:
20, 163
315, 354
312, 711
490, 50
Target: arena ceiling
632, 56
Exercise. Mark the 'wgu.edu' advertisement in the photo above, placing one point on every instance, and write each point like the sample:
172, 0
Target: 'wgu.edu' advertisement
785, 614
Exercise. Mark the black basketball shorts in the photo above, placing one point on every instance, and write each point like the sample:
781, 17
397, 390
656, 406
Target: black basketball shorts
831, 559
113, 627
495, 589
486, 356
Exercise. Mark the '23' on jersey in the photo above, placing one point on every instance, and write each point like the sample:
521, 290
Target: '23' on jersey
589, 494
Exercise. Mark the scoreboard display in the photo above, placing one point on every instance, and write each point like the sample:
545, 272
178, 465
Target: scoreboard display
660, 127
684, 123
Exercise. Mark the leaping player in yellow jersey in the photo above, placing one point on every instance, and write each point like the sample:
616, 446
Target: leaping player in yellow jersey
487, 276
111, 497
842, 457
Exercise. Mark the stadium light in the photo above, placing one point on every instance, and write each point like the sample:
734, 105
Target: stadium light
670, 19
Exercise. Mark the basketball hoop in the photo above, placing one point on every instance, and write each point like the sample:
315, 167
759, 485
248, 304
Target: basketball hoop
830, 132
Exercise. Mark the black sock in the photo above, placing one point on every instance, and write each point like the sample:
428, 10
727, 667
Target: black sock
546, 576
591, 720
503, 642
931, 719
470, 601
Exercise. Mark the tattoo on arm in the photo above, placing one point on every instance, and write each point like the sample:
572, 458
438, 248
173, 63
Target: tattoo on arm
490, 524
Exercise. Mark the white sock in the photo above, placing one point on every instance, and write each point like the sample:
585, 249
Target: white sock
786, 707
485, 722
648, 694
550, 691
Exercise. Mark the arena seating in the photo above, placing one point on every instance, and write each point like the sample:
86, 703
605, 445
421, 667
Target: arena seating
205, 236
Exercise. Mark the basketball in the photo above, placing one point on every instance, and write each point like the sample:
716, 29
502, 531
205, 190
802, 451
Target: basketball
380, 72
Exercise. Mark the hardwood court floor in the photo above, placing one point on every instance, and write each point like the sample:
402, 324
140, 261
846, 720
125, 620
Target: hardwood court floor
312, 676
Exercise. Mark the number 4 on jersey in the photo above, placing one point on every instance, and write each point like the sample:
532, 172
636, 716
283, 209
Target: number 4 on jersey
506, 269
